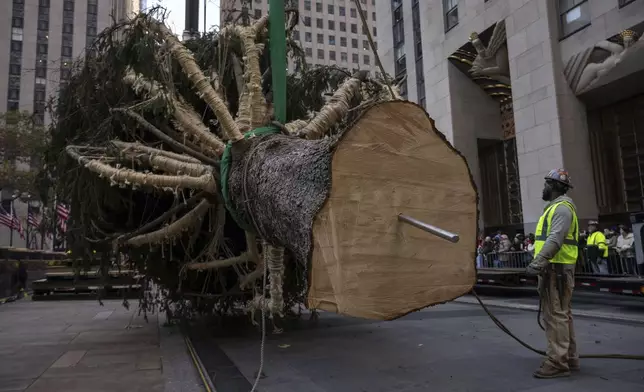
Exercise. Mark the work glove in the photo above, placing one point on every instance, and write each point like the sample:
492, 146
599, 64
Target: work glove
536, 267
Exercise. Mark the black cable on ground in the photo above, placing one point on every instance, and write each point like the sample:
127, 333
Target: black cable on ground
503, 328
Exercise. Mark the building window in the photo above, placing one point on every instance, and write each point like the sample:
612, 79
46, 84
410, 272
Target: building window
354, 58
309, 52
319, 23
17, 22
42, 48
450, 8
375, 31
12, 106
574, 15
41, 72
373, 16
67, 51
332, 40
14, 69
307, 21
296, 35
354, 43
354, 28
14, 94
343, 26
331, 25
68, 28
308, 37
331, 9
343, 56
318, 7
343, 41
342, 11
16, 46
320, 38
332, 55
624, 3
321, 54
307, 5
366, 59
258, 13
354, 14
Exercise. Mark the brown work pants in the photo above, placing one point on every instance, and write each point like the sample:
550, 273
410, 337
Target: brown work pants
557, 317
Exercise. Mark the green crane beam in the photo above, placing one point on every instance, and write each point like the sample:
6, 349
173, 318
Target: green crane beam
276, 20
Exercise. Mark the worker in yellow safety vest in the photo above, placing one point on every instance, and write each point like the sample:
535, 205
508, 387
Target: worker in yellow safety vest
556, 251
597, 249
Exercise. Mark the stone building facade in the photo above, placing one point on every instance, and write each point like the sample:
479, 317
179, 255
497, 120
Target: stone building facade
542, 84
40, 41
330, 31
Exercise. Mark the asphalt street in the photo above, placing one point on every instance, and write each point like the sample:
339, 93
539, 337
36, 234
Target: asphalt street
450, 347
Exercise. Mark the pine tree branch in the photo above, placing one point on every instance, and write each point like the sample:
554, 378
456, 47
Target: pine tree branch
174, 229
199, 81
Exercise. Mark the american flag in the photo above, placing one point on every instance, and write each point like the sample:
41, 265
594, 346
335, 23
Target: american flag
63, 214
11, 221
33, 218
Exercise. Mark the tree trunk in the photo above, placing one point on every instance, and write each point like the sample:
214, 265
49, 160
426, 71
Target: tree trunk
335, 204
277, 184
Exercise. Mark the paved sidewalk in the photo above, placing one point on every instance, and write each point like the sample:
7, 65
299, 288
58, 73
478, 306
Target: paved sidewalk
451, 347
69, 346
532, 304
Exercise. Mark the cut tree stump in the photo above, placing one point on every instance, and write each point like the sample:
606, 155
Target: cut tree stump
365, 263
334, 205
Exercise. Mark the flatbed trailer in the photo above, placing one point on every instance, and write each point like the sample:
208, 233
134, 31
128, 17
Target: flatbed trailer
516, 277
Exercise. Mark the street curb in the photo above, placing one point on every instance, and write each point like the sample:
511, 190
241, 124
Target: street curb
535, 308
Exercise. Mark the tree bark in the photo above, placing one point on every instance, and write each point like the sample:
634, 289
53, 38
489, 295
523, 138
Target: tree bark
277, 185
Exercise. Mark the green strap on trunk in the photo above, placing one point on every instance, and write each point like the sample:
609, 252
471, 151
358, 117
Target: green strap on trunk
224, 171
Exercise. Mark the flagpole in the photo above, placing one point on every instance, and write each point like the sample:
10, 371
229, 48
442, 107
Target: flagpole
11, 228
42, 225
55, 217
27, 229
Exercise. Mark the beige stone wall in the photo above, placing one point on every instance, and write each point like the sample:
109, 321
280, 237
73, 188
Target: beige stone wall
550, 121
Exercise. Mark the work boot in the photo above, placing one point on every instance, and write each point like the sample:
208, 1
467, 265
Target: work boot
548, 371
573, 365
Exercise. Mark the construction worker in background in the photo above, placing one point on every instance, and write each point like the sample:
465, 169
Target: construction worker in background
596, 249
556, 251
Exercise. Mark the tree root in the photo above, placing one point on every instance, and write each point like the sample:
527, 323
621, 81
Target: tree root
133, 178
199, 81
174, 229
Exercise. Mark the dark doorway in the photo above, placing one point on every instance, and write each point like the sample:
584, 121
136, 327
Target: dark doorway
500, 189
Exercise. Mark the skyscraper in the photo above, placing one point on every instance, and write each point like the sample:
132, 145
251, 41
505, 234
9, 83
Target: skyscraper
330, 31
45, 38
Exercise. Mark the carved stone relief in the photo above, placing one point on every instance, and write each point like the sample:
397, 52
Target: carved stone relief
585, 69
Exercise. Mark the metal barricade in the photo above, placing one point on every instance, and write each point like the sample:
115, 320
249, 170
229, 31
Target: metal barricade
505, 260
613, 265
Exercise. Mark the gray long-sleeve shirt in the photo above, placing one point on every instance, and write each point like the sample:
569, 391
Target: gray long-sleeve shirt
562, 219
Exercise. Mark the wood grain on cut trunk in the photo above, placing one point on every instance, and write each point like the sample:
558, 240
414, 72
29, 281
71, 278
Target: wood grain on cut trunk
364, 262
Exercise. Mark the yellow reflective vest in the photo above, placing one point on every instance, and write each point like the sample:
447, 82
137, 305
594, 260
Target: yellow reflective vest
569, 250
599, 240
